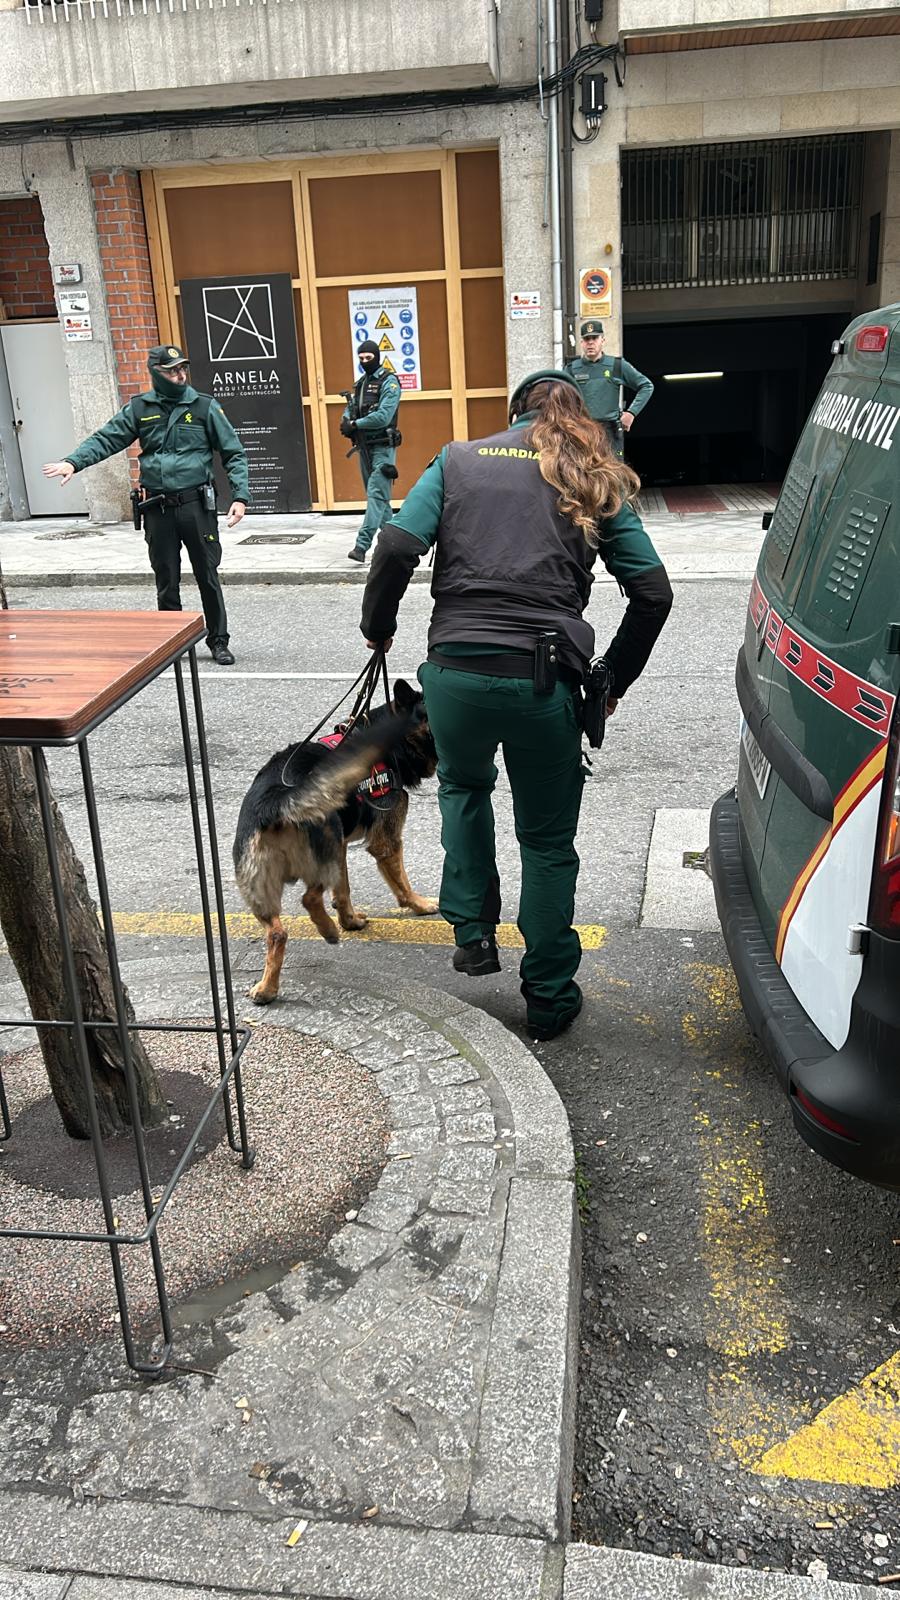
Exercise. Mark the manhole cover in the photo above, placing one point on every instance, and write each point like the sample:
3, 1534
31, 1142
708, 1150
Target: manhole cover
68, 533
276, 538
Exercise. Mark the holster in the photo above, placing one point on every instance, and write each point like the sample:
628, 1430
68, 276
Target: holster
597, 690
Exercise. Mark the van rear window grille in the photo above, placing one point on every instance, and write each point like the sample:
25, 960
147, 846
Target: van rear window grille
792, 503
756, 211
852, 557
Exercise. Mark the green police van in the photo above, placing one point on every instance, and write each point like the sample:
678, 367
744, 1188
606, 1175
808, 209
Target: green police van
805, 850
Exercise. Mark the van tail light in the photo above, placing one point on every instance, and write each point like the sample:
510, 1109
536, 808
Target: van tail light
872, 339
885, 903
821, 1116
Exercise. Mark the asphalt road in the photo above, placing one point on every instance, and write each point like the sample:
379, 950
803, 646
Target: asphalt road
735, 1286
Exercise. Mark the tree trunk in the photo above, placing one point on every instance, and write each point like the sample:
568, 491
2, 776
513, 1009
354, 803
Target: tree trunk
28, 923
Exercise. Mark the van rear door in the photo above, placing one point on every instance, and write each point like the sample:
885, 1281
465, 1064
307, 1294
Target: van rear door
832, 681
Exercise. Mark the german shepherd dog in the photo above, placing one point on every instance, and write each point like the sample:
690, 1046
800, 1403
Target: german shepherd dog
302, 810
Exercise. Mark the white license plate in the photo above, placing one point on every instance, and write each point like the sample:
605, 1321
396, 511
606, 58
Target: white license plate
760, 768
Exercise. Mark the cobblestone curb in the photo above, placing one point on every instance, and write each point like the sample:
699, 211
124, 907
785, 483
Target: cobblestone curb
424, 1365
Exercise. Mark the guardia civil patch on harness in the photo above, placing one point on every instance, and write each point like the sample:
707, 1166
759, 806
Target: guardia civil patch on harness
379, 784
381, 787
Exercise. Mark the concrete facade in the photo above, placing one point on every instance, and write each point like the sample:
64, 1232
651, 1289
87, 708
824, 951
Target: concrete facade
301, 50
636, 19
744, 92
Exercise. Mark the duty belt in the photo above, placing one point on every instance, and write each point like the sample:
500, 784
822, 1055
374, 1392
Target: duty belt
180, 497
508, 664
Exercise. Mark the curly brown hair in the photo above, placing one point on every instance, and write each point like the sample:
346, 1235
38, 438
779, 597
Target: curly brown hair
577, 458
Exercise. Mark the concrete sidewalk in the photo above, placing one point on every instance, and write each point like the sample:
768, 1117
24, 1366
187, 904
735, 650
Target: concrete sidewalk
50, 551
391, 1421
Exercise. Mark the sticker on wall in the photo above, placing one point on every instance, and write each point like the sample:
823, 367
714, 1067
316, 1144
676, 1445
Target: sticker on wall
76, 327
69, 272
77, 303
524, 303
372, 312
596, 292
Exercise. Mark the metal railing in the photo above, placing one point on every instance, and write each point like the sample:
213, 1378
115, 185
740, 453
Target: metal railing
763, 211
54, 11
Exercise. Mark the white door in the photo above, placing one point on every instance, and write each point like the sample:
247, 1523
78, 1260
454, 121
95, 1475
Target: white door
39, 387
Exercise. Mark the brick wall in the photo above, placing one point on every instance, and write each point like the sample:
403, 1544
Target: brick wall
26, 283
125, 260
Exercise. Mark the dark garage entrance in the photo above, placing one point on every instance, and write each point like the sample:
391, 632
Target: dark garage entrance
738, 428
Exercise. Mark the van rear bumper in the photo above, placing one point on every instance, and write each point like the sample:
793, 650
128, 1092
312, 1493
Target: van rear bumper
856, 1088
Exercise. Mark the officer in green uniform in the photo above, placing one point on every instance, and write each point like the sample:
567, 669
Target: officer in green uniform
509, 566
370, 421
600, 379
178, 430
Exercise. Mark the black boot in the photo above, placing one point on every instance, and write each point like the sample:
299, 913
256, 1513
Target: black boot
356, 554
220, 653
479, 958
552, 1030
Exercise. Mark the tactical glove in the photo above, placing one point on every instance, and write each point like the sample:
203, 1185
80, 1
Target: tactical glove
348, 428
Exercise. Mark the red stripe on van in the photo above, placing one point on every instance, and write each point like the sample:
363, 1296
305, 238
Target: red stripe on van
864, 702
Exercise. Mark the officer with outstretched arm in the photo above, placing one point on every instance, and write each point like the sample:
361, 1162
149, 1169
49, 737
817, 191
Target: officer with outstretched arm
517, 521
178, 430
370, 422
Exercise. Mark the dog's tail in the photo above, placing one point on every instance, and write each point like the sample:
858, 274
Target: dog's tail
331, 782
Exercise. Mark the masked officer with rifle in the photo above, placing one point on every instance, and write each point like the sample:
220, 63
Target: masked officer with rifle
370, 422
178, 431
600, 378
517, 521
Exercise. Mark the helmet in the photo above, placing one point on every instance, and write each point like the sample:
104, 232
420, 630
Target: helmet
546, 375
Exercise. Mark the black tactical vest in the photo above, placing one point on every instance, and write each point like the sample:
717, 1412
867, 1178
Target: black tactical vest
368, 398
507, 565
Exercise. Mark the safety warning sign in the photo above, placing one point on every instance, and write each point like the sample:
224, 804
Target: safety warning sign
391, 318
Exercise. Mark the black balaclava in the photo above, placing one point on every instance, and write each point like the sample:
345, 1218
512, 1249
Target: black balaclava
164, 386
369, 348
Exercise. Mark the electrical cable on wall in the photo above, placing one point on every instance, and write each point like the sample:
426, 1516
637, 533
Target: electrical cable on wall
585, 58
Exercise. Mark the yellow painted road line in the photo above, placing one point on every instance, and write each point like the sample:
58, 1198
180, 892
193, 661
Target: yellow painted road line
748, 1317
855, 1440
379, 930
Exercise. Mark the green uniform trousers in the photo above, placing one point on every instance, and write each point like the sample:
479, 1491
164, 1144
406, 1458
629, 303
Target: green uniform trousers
470, 715
378, 491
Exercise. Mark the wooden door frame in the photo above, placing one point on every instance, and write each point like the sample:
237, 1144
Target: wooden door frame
300, 173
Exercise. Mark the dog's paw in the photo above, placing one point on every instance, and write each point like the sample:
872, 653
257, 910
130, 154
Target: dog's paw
262, 996
354, 923
421, 907
333, 936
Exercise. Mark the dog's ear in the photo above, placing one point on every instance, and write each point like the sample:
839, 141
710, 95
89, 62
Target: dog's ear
404, 695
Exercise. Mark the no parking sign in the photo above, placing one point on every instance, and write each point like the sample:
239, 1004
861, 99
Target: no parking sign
596, 292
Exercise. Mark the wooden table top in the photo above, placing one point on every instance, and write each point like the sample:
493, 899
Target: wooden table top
61, 670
